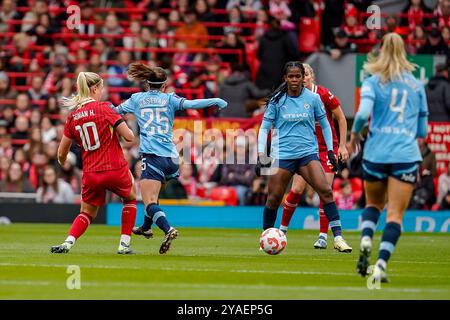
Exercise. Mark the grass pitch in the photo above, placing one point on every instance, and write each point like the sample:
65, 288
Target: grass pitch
212, 264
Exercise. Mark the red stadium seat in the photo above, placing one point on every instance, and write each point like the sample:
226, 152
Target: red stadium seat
308, 37
251, 50
226, 194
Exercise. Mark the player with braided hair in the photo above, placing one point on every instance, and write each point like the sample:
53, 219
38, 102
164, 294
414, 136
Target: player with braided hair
292, 111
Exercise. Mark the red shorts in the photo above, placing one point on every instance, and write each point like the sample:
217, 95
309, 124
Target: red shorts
323, 156
95, 184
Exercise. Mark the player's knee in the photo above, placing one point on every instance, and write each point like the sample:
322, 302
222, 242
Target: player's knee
273, 201
326, 194
297, 189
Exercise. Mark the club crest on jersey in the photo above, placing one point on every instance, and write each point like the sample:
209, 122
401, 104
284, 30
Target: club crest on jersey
306, 106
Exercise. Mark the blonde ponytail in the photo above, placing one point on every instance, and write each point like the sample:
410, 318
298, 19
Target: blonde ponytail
85, 81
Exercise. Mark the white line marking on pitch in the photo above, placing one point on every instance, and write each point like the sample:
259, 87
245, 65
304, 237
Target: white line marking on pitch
345, 274
221, 286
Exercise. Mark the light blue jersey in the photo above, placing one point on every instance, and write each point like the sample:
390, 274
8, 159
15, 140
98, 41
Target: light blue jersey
293, 119
398, 111
154, 111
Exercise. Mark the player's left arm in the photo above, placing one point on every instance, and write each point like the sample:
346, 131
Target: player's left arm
422, 124
63, 149
342, 122
321, 117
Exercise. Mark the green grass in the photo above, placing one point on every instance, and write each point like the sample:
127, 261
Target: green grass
212, 264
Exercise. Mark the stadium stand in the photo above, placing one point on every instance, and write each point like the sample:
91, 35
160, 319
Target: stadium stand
41, 53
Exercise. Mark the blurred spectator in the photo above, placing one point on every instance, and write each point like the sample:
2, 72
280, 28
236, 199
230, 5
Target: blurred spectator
442, 13
8, 118
87, 25
257, 195
38, 162
15, 180
21, 128
443, 184
129, 41
237, 90
345, 200
112, 27
100, 47
71, 174
5, 91
163, 29
424, 195
8, 12
48, 131
237, 175
54, 190
95, 64
262, 18
6, 148
194, 31
341, 46
145, 40
51, 150
352, 27
445, 33
234, 42
42, 31
31, 17
22, 105
279, 9
434, 44
445, 203
188, 180
275, 49
415, 12
37, 91
244, 5
35, 118
235, 17
5, 162
55, 76
438, 95
117, 73
416, 39
34, 143
309, 198
204, 13
332, 18
20, 157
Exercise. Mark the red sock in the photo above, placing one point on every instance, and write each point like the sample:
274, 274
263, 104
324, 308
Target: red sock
80, 224
128, 216
323, 219
289, 206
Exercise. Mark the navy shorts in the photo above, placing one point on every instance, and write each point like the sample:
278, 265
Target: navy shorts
405, 172
159, 168
293, 165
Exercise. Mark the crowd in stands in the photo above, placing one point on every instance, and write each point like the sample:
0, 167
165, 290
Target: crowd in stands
234, 49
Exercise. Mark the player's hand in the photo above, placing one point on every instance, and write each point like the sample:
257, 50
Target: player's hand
222, 104
355, 143
333, 160
343, 154
263, 162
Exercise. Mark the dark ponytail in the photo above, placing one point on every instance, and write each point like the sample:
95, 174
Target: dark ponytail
154, 77
282, 89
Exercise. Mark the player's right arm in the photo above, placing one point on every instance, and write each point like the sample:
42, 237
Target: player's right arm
269, 118
362, 116
125, 132
63, 149
128, 106
204, 103
422, 125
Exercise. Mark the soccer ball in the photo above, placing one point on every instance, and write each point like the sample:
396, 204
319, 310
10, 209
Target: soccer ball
273, 241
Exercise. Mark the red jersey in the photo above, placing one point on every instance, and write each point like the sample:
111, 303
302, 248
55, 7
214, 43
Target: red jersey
331, 103
92, 127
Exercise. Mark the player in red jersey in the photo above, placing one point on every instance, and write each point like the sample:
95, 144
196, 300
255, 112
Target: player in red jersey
95, 127
333, 108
